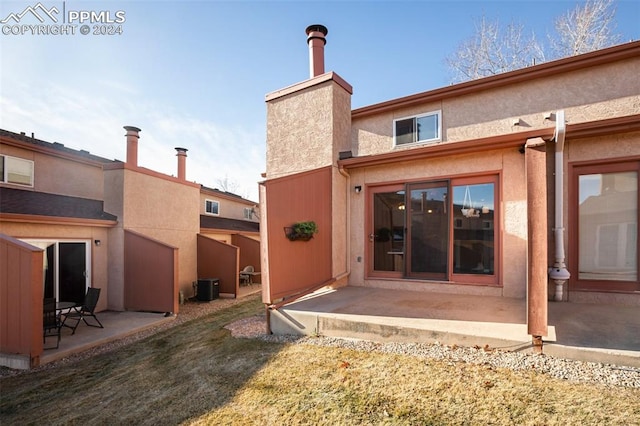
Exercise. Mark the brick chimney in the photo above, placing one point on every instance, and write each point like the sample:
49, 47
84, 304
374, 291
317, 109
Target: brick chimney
316, 40
132, 145
182, 163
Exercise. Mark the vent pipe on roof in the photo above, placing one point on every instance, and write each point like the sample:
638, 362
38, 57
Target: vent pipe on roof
182, 162
316, 40
133, 134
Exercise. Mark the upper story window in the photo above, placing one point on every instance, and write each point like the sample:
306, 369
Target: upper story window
248, 213
212, 207
416, 129
17, 171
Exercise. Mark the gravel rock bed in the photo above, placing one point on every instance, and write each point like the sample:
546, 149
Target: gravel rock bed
571, 370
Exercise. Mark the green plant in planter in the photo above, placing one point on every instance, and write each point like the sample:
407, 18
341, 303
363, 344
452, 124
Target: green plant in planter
302, 231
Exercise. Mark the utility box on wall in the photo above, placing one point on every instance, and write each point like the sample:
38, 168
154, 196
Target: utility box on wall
208, 289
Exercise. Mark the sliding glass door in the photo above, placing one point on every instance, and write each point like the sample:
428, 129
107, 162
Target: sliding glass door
474, 230
428, 232
66, 269
450, 228
387, 231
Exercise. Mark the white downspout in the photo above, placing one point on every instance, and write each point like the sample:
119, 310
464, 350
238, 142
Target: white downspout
559, 273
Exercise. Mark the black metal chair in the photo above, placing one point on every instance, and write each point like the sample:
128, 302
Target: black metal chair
51, 324
81, 313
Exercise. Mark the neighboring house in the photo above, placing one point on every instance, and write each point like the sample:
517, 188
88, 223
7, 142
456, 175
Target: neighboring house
140, 236
223, 214
233, 222
519, 185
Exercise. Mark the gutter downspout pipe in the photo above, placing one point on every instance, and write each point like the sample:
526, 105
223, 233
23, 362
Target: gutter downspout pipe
559, 273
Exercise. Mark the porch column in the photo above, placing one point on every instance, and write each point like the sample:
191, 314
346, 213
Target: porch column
535, 169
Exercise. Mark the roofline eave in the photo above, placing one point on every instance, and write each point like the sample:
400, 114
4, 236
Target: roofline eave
629, 123
56, 220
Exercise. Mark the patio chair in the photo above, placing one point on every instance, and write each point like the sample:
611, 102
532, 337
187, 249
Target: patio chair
80, 313
246, 275
51, 324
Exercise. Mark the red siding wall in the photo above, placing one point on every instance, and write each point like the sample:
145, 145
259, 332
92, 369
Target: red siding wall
296, 266
219, 260
21, 282
150, 274
249, 253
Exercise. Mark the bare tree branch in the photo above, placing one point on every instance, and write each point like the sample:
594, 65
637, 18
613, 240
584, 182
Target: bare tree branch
585, 28
493, 51
228, 185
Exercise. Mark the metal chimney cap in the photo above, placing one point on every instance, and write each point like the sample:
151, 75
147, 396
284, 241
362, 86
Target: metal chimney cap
317, 28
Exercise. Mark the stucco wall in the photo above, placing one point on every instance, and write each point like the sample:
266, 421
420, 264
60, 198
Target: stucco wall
168, 211
510, 165
160, 208
304, 129
623, 145
589, 94
586, 95
341, 124
114, 204
58, 175
307, 128
229, 208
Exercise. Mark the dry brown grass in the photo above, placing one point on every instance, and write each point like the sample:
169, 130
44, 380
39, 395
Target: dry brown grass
196, 373
304, 385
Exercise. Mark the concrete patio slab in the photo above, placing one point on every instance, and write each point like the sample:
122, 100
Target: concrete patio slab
116, 326
599, 333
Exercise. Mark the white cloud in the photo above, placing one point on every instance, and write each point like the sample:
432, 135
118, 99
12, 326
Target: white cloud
93, 120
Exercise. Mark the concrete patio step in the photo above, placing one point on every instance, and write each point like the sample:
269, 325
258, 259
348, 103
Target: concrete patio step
393, 329
587, 332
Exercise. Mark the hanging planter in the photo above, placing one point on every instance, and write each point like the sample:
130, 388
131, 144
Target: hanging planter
467, 205
301, 231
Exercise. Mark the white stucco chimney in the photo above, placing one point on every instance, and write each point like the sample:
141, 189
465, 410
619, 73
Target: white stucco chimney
182, 162
316, 40
133, 134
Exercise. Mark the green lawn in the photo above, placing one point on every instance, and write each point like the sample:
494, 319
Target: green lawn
196, 373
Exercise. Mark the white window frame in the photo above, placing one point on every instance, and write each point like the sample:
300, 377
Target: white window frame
44, 243
438, 137
6, 160
213, 203
248, 213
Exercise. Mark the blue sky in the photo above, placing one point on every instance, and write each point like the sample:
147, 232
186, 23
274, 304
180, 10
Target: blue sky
195, 74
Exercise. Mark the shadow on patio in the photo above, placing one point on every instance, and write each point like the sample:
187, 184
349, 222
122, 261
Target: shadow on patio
599, 333
117, 325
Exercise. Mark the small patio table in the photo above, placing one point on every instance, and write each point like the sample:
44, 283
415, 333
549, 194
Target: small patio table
64, 306
250, 275
61, 306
